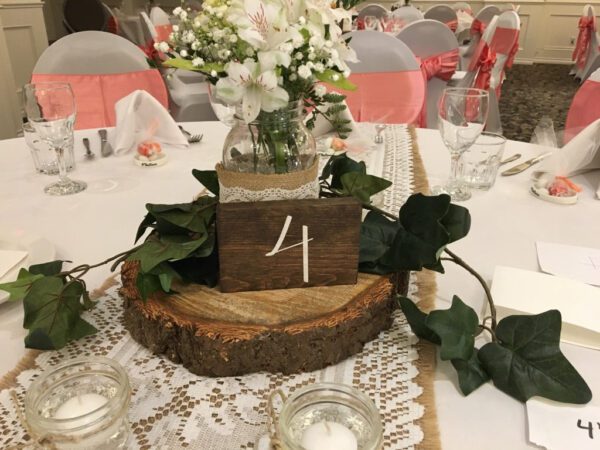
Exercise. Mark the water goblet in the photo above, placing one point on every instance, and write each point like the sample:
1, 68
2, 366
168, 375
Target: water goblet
462, 115
50, 109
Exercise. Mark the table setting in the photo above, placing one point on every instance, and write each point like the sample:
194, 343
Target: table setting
285, 278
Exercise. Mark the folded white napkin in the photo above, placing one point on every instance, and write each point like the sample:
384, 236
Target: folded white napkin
580, 154
323, 126
9, 259
140, 117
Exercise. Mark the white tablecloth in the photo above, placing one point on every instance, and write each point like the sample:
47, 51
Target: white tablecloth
506, 223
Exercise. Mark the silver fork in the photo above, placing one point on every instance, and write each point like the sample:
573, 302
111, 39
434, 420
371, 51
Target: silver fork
191, 138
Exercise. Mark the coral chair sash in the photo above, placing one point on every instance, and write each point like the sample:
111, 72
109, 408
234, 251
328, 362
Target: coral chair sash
387, 97
452, 24
443, 65
584, 109
587, 26
506, 41
96, 95
163, 32
477, 27
483, 64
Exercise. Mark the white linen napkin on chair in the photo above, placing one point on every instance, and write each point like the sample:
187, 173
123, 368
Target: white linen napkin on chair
140, 117
580, 154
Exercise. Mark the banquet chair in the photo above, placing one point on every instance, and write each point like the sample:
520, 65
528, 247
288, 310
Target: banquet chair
481, 21
585, 107
437, 48
188, 91
444, 14
84, 15
374, 10
586, 49
112, 23
462, 6
407, 14
101, 68
159, 17
391, 88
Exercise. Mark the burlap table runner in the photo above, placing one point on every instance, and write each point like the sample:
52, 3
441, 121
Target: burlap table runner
172, 408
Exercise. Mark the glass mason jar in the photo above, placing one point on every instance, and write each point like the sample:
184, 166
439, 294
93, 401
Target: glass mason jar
80, 404
330, 415
276, 142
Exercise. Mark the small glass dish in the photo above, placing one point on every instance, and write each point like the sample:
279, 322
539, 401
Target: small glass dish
81, 404
318, 414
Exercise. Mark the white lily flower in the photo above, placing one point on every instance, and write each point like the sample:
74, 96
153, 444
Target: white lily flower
253, 87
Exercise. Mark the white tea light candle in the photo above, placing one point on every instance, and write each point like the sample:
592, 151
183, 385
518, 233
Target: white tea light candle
81, 406
328, 436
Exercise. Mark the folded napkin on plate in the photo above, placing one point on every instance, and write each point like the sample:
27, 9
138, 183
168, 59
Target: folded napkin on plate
140, 117
323, 126
580, 154
9, 259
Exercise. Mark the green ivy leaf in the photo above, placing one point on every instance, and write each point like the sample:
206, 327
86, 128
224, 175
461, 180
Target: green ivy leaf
164, 248
328, 76
339, 165
527, 360
209, 179
19, 288
363, 186
471, 373
457, 222
456, 328
417, 321
49, 268
52, 313
376, 237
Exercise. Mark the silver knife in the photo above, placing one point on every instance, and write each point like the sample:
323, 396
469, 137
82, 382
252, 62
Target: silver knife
525, 165
105, 148
510, 159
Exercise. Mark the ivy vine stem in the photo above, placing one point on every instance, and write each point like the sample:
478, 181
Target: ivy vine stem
82, 269
459, 261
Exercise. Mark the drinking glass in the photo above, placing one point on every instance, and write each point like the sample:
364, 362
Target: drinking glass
481, 162
50, 109
224, 112
462, 115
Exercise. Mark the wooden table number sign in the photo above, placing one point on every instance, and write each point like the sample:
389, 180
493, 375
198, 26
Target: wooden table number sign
288, 243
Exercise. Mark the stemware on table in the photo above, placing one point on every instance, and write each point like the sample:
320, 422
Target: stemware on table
224, 111
462, 116
50, 109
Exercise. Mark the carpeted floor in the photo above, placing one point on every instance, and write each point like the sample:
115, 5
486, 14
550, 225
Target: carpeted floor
531, 92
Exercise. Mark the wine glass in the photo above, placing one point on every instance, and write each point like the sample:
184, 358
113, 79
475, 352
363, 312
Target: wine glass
224, 112
462, 115
50, 108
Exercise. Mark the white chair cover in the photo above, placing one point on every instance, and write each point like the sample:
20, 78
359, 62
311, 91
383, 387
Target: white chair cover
442, 13
484, 16
462, 6
158, 16
593, 57
427, 38
373, 10
148, 27
378, 52
407, 14
91, 52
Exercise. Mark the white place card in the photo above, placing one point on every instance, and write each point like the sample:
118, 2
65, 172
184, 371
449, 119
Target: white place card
518, 291
569, 261
9, 259
559, 426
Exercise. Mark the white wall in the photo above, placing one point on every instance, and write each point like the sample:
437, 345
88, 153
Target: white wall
549, 28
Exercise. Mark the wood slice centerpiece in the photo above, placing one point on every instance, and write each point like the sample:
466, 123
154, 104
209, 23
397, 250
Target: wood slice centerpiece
287, 330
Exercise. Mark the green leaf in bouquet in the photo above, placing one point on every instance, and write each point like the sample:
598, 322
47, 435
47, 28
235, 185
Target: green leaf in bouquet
471, 373
527, 360
48, 269
339, 165
335, 79
209, 179
417, 321
376, 236
186, 64
53, 313
456, 328
164, 248
19, 288
333, 97
363, 186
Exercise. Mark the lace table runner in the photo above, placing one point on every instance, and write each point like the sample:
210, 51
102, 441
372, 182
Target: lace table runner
172, 408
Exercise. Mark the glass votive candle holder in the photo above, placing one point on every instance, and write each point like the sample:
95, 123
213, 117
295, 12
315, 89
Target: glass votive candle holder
44, 157
82, 404
329, 415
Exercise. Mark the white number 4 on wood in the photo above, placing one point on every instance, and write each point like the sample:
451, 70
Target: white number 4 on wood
304, 244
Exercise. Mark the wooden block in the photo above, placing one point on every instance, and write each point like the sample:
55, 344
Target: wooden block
288, 243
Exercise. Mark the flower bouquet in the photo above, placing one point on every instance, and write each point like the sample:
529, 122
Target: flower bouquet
269, 59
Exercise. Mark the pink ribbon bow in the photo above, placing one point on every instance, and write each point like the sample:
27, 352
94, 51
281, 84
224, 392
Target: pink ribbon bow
452, 24
477, 27
587, 26
485, 64
442, 66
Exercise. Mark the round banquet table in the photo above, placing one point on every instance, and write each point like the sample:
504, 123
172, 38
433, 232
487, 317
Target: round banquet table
506, 222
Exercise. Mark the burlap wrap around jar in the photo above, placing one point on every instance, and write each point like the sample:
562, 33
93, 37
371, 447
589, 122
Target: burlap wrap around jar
256, 187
